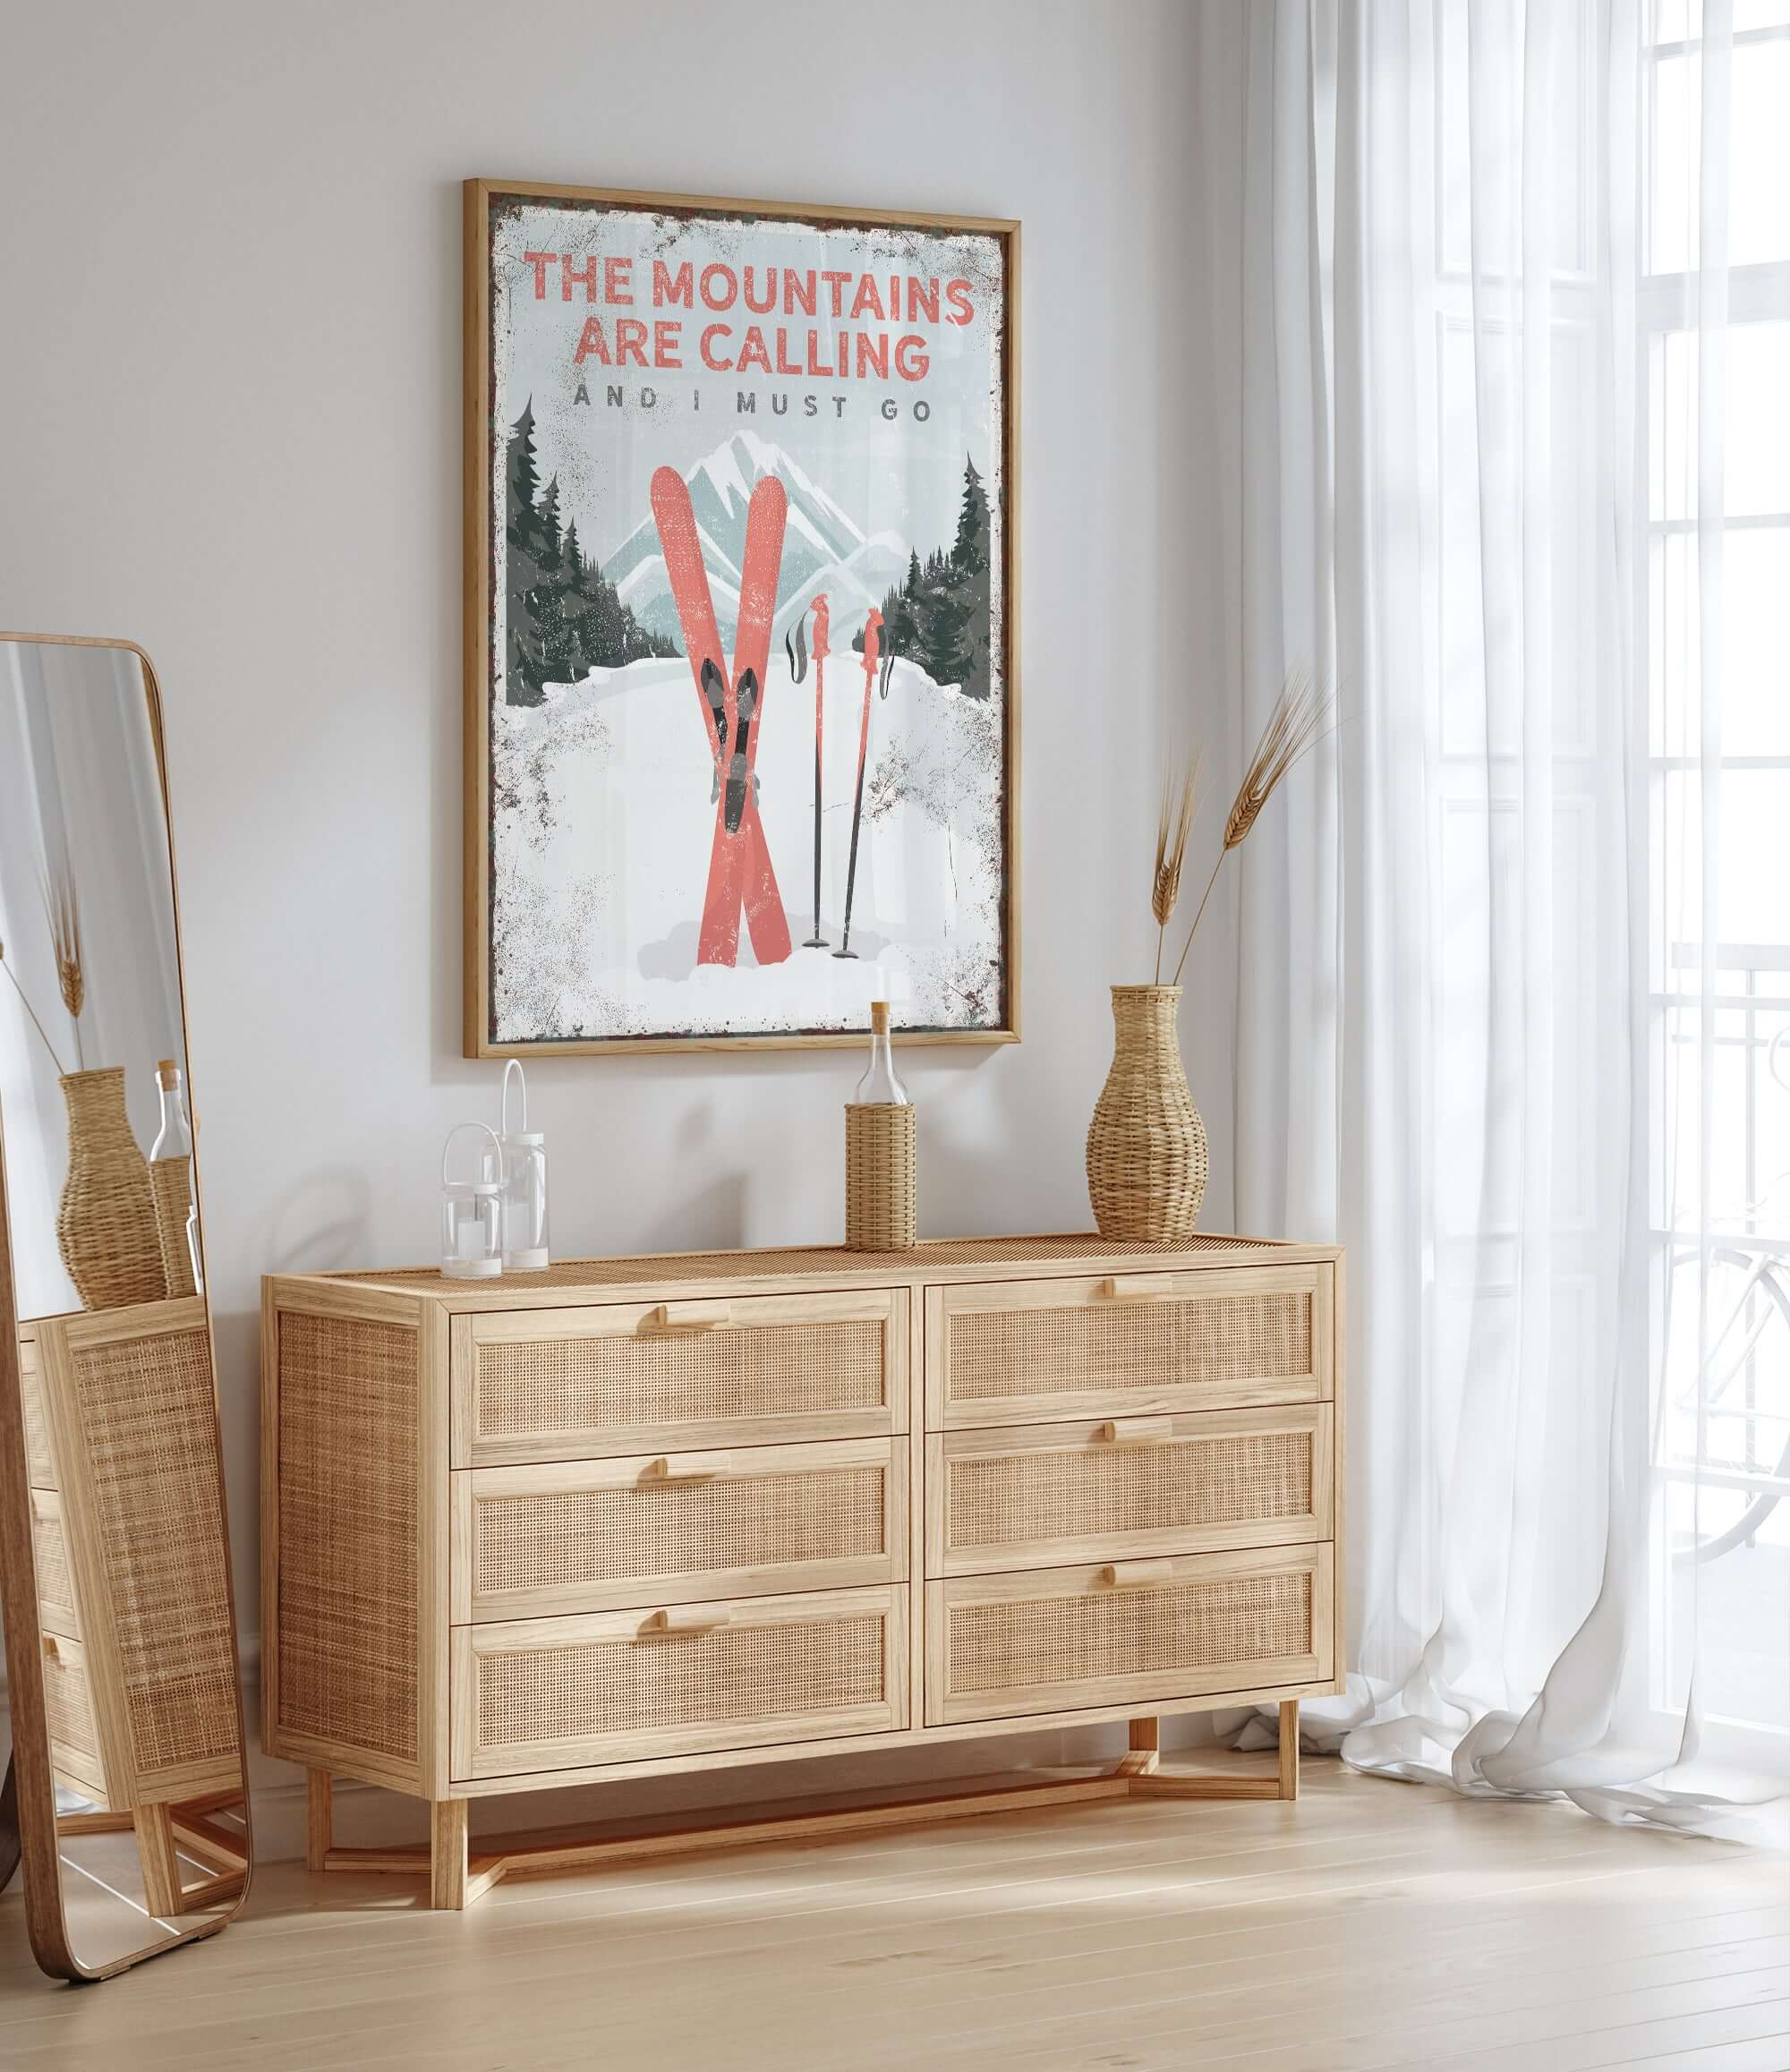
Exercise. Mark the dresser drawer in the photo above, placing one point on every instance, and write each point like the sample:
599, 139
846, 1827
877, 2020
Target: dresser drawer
543, 1695
1128, 1344
39, 1464
49, 1554
1041, 1495
620, 1378
672, 1529
68, 1707
1060, 1639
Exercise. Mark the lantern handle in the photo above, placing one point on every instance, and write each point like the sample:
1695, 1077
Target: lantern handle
497, 1145
515, 1065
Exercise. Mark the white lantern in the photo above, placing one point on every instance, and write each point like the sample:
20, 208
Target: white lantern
471, 1212
525, 1200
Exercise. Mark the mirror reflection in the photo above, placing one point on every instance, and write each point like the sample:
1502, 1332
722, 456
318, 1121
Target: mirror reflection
128, 1599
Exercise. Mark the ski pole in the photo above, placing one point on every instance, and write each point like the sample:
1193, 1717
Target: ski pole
871, 627
817, 940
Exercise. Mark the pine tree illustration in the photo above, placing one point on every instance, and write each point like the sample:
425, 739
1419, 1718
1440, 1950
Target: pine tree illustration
522, 659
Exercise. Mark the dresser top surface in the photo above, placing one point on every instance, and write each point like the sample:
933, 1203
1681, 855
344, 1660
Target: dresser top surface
821, 1265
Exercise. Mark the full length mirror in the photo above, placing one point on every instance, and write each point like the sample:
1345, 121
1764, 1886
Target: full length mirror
125, 1710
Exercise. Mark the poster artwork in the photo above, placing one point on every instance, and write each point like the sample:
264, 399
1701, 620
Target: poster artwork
745, 572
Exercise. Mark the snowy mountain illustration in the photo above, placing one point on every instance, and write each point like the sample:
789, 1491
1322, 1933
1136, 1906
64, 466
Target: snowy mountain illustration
823, 548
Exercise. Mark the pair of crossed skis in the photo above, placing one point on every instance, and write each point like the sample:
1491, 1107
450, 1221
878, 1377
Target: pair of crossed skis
739, 860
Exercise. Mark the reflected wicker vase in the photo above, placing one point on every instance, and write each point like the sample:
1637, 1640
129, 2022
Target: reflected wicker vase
1146, 1144
106, 1224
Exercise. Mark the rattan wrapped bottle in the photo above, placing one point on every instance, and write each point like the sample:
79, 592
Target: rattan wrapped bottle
879, 1151
171, 1184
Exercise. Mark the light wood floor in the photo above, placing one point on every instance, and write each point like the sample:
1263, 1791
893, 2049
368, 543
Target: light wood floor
1371, 1924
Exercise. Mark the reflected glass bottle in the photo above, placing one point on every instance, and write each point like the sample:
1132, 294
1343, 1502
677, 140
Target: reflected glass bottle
171, 1183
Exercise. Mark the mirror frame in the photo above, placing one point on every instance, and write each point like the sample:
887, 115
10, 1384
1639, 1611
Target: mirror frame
33, 1781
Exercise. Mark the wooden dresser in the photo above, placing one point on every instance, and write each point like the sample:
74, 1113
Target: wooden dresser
134, 1615
626, 1517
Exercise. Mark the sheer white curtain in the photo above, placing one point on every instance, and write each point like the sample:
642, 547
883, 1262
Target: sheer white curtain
1481, 1031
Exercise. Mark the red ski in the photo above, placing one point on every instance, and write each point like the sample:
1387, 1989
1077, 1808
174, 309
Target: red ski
739, 864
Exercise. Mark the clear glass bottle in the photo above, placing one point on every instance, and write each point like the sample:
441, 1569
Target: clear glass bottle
174, 1139
172, 1187
878, 1087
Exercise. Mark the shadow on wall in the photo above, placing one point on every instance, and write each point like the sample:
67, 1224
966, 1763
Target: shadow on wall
710, 1220
318, 1224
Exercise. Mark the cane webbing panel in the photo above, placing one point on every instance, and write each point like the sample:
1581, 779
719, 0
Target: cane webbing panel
734, 1522
747, 1674
347, 1531
1157, 1345
1090, 1492
772, 1263
49, 1549
1127, 1632
148, 1415
39, 1464
673, 1378
68, 1705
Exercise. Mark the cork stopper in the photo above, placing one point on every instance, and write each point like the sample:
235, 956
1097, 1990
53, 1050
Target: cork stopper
168, 1072
879, 1018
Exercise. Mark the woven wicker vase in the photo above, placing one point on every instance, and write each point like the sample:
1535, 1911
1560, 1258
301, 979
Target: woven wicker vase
105, 1226
1146, 1144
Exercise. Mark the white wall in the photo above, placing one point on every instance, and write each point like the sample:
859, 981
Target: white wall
231, 355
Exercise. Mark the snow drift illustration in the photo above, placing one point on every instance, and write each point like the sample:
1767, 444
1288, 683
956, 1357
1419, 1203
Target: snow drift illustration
603, 813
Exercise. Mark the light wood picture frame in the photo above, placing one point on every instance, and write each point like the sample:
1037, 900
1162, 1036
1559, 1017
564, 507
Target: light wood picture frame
738, 475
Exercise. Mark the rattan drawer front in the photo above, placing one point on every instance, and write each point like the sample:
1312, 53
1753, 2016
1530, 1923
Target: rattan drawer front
1041, 1495
537, 1695
68, 1707
132, 1390
55, 1575
672, 1529
39, 1462
1053, 1639
618, 1378
1221, 1338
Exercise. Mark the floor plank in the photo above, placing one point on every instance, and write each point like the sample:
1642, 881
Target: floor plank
1371, 1925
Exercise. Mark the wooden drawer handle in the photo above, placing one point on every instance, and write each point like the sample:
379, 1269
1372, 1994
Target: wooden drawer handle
1134, 1431
1136, 1287
50, 1647
668, 1469
1136, 1575
691, 1316
686, 1619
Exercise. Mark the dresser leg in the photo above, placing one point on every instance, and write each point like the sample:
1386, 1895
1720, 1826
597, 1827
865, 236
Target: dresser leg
318, 1818
1145, 1745
448, 1854
1289, 1748
161, 1864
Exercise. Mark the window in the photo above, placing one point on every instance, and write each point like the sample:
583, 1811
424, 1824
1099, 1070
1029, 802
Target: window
1718, 524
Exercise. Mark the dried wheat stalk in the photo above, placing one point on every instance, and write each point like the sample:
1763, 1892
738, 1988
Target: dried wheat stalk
64, 911
25, 1002
1174, 820
1294, 724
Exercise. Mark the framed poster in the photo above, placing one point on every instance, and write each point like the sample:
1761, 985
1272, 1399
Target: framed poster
740, 690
